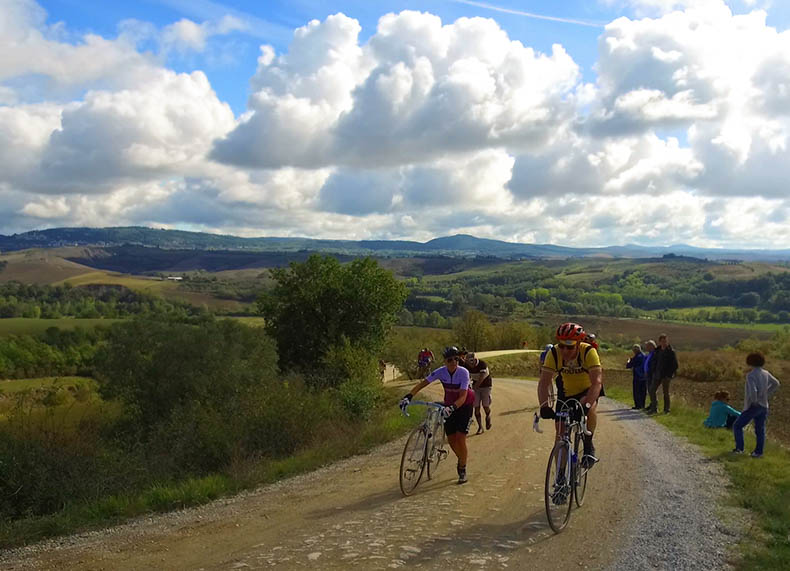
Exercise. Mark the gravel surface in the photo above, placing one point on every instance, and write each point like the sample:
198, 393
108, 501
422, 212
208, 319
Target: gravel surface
654, 503
681, 522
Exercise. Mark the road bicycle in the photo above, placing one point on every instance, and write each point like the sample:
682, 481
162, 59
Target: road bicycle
566, 474
425, 448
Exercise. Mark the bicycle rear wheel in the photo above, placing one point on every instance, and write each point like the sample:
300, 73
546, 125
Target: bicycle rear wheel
559, 487
580, 472
438, 450
412, 463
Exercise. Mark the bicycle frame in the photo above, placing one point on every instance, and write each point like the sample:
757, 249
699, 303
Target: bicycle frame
432, 427
569, 468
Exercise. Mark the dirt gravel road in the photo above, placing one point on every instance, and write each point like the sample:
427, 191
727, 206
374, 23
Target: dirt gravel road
352, 514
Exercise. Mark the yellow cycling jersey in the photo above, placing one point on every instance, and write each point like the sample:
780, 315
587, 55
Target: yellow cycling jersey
573, 377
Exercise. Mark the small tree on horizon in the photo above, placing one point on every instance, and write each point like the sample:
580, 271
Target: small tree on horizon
320, 306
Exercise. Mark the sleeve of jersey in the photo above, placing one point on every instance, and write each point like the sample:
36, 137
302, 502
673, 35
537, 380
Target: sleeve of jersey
592, 359
464, 378
433, 376
550, 362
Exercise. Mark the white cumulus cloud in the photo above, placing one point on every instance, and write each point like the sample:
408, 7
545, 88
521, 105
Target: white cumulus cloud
419, 128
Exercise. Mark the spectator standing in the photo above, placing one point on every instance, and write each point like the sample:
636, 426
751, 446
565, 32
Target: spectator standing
666, 367
482, 385
543, 353
760, 386
637, 364
721, 415
649, 365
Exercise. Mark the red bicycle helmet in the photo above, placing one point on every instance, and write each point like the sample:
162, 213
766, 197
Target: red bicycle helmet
570, 332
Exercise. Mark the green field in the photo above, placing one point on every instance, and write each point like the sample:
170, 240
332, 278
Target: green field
25, 326
19, 385
251, 321
682, 335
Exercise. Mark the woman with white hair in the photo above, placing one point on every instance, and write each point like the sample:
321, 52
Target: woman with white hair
649, 365
637, 364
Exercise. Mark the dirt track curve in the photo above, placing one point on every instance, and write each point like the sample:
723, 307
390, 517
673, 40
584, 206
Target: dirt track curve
352, 514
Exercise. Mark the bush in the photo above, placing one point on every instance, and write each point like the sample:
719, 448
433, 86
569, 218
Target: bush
155, 368
359, 399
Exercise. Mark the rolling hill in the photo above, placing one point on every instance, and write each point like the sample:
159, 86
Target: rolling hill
460, 245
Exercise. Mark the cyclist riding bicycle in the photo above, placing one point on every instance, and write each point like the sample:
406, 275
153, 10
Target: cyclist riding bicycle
458, 400
575, 367
424, 358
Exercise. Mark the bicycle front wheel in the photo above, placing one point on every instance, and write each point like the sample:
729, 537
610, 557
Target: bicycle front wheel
559, 487
412, 463
580, 472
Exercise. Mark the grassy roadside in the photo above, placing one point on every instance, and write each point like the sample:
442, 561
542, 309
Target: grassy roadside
385, 426
761, 486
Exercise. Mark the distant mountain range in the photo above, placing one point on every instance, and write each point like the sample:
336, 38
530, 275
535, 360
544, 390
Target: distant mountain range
458, 245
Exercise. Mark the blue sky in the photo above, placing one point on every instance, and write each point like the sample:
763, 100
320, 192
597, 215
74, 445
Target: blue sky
277, 19
654, 122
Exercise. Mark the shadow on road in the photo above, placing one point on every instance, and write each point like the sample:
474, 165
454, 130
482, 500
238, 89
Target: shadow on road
519, 411
623, 414
381, 499
487, 538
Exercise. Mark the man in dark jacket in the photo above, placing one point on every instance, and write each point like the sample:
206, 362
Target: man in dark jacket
666, 367
637, 364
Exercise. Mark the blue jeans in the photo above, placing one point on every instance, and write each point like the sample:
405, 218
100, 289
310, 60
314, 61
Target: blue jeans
757, 413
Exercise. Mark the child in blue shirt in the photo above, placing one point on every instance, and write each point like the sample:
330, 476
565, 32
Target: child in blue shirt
722, 415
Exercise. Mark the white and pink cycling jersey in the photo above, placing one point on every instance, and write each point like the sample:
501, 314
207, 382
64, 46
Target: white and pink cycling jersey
453, 384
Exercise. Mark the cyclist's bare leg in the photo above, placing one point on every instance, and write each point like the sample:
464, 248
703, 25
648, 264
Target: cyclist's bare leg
458, 444
478, 418
592, 421
592, 417
488, 413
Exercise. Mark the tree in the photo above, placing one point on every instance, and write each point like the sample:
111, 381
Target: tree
320, 305
473, 330
748, 299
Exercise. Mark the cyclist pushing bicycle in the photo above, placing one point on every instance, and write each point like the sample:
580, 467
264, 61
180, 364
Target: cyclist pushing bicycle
458, 400
575, 367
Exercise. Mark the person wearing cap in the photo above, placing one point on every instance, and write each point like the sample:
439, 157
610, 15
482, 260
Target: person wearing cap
637, 364
462, 353
481, 384
458, 400
575, 368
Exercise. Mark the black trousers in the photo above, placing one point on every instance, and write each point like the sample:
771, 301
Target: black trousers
640, 392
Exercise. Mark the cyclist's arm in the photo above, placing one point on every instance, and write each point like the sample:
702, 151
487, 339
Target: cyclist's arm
596, 382
544, 386
461, 399
418, 387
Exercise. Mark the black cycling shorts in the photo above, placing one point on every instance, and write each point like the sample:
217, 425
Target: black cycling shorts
459, 420
578, 397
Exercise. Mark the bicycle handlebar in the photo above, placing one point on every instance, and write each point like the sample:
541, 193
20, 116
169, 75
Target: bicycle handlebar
425, 403
570, 404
